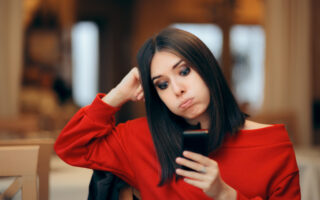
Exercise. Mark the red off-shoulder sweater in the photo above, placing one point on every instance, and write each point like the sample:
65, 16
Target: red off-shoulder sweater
259, 163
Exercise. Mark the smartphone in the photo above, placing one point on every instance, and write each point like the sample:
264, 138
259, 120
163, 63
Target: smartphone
195, 141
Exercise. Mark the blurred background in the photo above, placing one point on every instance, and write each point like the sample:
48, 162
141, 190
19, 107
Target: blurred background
55, 55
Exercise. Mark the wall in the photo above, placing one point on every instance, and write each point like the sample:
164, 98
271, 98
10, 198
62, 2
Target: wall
288, 67
10, 56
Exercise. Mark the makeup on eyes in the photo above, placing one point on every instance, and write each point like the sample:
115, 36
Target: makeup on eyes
173, 67
183, 70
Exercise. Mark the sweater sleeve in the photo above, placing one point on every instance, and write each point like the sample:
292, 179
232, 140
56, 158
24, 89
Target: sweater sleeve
91, 140
288, 188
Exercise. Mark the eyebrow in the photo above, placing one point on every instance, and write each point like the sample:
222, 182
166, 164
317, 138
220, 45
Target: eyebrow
173, 67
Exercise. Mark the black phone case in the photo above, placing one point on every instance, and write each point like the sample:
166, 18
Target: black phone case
195, 141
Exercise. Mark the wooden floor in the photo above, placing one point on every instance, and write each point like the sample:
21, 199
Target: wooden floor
67, 182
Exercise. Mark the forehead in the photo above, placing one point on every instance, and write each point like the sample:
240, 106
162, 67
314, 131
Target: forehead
163, 61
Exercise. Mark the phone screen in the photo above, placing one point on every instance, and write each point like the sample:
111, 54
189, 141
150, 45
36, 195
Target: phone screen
195, 141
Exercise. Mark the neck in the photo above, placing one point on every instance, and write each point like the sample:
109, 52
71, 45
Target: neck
204, 121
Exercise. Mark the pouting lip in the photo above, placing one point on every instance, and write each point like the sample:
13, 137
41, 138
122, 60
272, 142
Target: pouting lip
186, 103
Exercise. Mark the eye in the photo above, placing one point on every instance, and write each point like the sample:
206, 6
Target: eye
184, 71
162, 85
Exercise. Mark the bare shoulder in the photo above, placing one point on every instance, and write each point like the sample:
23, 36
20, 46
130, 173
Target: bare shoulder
249, 125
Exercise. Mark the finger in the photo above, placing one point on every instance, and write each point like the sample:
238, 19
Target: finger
140, 96
198, 158
196, 183
191, 174
138, 91
188, 163
136, 72
140, 88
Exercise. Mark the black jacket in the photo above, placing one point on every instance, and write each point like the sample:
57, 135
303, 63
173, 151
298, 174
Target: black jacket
105, 186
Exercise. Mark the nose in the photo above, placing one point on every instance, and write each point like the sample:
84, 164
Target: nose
178, 88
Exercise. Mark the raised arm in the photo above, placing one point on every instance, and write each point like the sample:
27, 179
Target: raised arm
128, 89
91, 139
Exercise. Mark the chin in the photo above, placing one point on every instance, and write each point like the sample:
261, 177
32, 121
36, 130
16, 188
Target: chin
192, 117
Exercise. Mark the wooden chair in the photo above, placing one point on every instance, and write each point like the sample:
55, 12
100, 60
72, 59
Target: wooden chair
20, 162
44, 157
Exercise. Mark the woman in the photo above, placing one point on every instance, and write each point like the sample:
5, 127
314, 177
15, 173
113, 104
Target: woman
183, 88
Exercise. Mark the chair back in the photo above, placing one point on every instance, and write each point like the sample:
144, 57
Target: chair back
20, 162
44, 157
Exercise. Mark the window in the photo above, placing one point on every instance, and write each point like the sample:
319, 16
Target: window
85, 57
247, 48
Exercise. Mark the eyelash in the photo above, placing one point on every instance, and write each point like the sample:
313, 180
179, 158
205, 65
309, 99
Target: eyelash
162, 85
185, 70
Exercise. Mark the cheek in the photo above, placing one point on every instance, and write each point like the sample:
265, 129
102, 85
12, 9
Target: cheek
207, 96
205, 93
164, 98
167, 100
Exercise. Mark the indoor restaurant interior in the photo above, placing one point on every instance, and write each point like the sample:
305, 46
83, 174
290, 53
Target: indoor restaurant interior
56, 55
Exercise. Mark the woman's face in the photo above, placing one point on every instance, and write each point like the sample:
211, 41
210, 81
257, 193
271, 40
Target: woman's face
180, 87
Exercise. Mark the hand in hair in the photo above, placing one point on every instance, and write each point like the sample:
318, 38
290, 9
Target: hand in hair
206, 176
128, 89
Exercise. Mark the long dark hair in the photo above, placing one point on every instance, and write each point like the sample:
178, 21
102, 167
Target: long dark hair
165, 127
